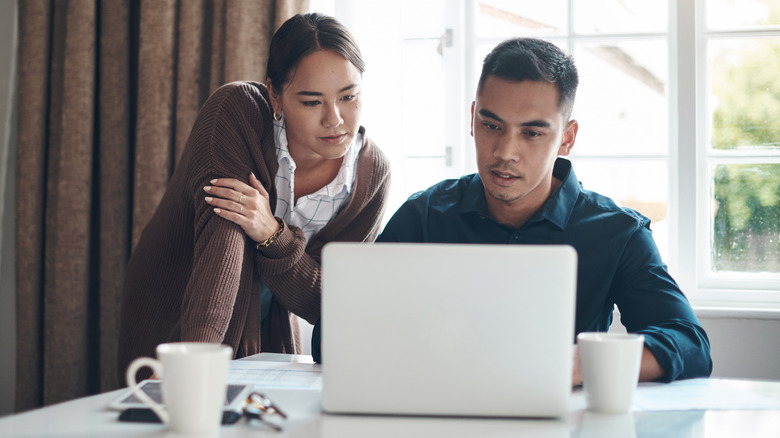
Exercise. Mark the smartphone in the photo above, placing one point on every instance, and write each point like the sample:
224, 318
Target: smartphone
146, 415
236, 394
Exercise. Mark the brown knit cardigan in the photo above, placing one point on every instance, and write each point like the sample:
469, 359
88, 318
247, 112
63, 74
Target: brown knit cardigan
195, 276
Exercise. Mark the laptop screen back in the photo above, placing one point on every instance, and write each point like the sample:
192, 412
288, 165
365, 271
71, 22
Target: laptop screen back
447, 329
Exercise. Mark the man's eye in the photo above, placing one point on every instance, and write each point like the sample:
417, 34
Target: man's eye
348, 98
533, 134
492, 126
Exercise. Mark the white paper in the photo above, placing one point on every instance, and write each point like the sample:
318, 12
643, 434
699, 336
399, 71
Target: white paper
698, 394
264, 375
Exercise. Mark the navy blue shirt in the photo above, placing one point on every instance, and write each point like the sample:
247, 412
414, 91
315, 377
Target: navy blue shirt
619, 262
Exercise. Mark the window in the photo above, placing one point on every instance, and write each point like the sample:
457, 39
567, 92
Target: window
740, 146
413, 91
677, 105
621, 51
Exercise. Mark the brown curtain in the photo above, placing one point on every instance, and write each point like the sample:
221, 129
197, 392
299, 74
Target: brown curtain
107, 93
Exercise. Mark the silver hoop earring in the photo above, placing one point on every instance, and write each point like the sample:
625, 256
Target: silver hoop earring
277, 116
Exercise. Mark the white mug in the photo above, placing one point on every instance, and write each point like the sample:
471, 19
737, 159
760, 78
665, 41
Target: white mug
610, 365
194, 379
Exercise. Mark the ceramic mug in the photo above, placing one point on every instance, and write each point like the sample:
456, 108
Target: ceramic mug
194, 379
610, 365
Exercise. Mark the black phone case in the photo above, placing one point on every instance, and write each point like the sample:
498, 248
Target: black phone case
145, 415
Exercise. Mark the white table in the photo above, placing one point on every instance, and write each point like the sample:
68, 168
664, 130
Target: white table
89, 417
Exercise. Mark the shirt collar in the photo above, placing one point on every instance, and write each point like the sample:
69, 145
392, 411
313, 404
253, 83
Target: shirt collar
558, 207
282, 147
474, 198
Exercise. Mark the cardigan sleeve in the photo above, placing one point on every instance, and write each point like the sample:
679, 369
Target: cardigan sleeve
212, 290
227, 137
293, 275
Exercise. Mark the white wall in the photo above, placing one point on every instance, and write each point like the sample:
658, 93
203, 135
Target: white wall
7, 165
744, 347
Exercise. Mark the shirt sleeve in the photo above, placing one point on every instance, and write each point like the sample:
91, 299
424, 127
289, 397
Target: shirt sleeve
652, 304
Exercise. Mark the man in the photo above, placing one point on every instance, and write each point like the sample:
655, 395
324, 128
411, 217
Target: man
524, 193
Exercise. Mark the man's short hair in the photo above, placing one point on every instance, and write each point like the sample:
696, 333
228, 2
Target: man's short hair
521, 59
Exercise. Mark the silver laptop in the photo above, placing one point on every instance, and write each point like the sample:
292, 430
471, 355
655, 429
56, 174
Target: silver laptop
447, 329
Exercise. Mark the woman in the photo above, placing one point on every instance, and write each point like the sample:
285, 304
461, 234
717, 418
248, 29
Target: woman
269, 175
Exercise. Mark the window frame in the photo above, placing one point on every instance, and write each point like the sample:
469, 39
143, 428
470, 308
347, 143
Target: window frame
713, 289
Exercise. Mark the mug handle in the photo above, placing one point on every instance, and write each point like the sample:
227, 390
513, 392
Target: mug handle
157, 367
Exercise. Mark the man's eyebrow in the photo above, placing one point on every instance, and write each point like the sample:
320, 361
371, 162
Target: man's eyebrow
533, 123
537, 124
317, 93
489, 114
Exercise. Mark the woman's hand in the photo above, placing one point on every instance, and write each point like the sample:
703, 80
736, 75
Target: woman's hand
246, 206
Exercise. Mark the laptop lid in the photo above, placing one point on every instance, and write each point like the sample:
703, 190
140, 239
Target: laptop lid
447, 329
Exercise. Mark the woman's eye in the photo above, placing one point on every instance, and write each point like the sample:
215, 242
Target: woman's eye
348, 98
311, 102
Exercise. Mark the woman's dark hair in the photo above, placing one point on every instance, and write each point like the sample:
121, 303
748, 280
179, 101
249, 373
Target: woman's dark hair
302, 35
521, 59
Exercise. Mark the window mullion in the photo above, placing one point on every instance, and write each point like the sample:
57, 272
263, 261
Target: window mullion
683, 199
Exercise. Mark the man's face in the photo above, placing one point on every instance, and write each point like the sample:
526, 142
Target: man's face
518, 131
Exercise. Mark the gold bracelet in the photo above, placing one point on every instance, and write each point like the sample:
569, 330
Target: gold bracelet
267, 242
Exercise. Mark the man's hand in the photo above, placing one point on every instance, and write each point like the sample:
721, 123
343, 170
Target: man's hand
576, 378
650, 369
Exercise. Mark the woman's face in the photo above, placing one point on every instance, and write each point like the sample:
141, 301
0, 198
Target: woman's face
321, 105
